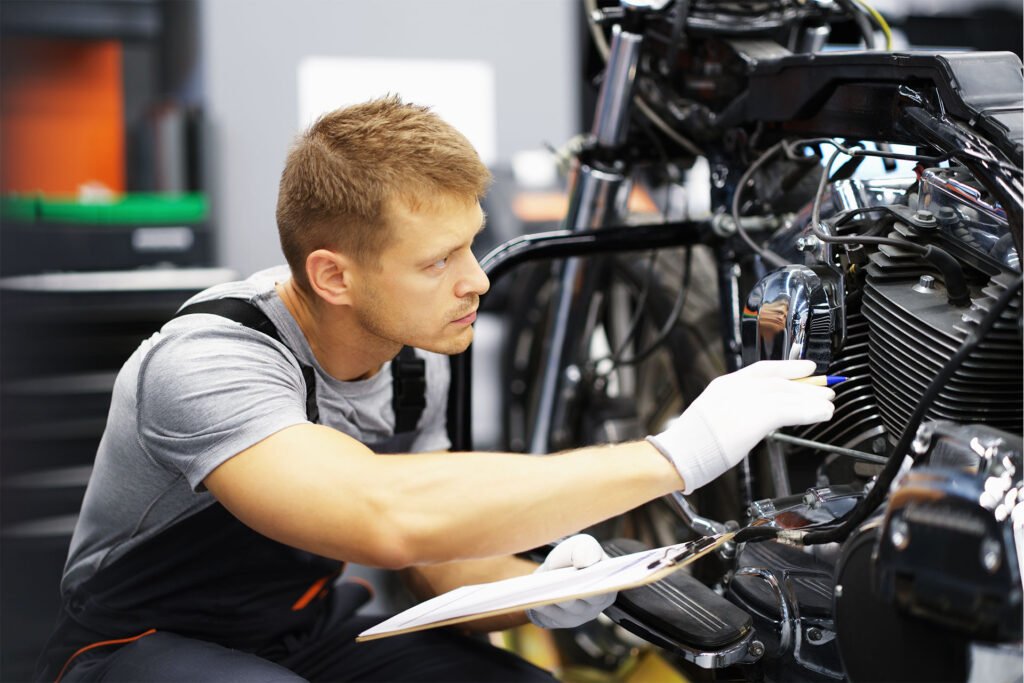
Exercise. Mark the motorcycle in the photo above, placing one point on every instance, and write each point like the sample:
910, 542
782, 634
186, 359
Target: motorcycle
886, 544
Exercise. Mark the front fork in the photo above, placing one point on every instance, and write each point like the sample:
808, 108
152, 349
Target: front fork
597, 198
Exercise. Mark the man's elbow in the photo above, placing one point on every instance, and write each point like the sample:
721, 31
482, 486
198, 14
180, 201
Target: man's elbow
391, 543
391, 553
400, 529
397, 542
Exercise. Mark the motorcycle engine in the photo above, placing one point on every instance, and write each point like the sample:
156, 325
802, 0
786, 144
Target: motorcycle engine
934, 577
881, 317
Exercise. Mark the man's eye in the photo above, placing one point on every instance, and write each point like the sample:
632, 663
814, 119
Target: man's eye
441, 263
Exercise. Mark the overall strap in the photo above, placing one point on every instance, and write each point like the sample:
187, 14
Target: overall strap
251, 316
409, 387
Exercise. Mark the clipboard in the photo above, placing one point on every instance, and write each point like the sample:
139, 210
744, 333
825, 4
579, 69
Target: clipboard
610, 575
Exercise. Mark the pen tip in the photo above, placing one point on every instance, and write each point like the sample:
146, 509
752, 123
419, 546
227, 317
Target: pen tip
835, 379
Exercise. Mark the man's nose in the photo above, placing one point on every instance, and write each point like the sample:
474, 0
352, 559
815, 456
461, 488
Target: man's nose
475, 281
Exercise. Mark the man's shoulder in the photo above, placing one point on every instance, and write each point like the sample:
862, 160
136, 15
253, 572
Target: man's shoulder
256, 288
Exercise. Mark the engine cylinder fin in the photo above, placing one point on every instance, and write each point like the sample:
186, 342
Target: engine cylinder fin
856, 420
963, 387
913, 334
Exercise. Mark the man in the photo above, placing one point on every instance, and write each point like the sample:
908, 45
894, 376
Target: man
242, 464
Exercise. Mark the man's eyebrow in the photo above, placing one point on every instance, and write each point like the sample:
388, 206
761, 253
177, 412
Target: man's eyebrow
441, 253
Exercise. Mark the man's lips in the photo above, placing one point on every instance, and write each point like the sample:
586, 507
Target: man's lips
466, 319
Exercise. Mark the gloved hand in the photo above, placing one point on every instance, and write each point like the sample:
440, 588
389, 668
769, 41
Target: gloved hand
735, 412
577, 551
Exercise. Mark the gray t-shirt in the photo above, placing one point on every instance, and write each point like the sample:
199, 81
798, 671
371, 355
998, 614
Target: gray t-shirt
203, 389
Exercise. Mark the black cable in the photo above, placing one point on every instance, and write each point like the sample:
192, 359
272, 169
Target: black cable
790, 150
858, 239
867, 505
848, 239
857, 149
952, 273
767, 254
764, 532
670, 322
670, 177
616, 357
638, 311
862, 22
755, 533
845, 217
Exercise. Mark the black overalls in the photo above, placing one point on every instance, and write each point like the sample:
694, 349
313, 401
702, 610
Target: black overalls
209, 578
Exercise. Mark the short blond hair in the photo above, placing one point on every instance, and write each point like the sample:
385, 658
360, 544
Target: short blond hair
342, 173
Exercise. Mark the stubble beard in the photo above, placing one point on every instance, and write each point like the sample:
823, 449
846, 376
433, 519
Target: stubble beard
392, 332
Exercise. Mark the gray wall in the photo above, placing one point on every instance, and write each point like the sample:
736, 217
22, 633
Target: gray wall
251, 50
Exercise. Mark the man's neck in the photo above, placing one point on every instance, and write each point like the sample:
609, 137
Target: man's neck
335, 336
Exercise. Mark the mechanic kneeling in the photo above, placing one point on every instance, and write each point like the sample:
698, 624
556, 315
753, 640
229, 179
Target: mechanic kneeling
241, 464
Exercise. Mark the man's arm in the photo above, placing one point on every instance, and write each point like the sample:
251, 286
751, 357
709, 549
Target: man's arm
317, 489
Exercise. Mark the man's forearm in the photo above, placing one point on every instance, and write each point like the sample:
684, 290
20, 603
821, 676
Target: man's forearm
481, 504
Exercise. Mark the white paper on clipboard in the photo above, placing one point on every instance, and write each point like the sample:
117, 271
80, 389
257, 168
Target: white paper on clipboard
533, 590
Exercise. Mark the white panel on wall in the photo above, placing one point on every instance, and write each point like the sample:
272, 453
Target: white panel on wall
462, 92
251, 57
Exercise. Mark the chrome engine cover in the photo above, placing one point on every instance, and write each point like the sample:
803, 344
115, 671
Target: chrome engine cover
795, 313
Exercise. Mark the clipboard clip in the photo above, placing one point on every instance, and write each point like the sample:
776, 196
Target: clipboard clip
674, 554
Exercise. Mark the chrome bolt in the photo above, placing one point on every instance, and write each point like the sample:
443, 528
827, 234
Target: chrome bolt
899, 533
756, 649
807, 243
573, 374
839, 590
813, 635
925, 285
922, 439
925, 216
991, 555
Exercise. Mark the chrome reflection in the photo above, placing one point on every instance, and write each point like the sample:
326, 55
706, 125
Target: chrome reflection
794, 313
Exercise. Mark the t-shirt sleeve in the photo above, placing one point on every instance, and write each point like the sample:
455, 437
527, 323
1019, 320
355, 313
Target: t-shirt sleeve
433, 435
206, 394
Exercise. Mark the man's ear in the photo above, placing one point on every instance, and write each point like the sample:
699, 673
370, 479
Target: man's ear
330, 276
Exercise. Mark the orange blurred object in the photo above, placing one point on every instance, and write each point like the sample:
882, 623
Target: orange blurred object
61, 115
535, 207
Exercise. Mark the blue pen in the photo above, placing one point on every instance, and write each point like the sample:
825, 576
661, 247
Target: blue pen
822, 380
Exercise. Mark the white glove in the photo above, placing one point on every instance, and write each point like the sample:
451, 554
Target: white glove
577, 551
735, 412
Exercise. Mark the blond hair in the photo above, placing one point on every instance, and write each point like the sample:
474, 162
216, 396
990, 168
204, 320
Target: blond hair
345, 170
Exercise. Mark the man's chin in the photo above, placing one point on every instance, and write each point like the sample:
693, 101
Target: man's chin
451, 347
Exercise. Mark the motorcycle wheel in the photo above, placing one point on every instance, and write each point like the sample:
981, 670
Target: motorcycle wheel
630, 400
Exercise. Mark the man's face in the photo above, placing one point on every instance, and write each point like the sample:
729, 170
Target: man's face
428, 286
